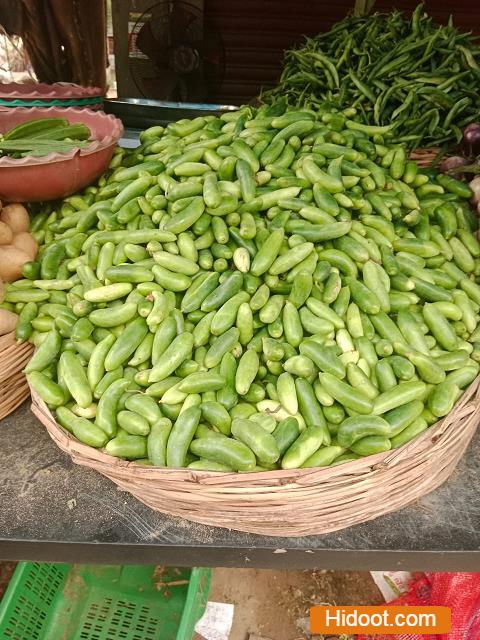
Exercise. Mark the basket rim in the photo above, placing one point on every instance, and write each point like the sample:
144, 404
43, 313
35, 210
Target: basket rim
13, 357
6, 340
381, 461
295, 502
14, 388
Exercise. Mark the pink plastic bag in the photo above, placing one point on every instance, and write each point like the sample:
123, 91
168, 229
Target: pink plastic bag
459, 591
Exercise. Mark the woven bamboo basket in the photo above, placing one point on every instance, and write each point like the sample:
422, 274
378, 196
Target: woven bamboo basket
297, 502
13, 384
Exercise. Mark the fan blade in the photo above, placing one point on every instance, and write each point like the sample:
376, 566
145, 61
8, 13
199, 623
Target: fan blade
195, 81
162, 85
150, 47
182, 24
146, 41
160, 24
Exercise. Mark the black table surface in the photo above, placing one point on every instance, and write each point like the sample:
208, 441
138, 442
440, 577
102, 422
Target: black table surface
54, 510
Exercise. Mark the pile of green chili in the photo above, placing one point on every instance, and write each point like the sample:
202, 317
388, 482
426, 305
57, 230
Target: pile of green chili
418, 75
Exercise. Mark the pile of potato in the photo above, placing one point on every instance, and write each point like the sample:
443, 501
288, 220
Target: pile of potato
17, 246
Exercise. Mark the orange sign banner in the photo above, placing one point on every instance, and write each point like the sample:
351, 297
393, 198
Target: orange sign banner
380, 620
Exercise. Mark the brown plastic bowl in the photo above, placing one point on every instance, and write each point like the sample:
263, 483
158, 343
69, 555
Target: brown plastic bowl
57, 175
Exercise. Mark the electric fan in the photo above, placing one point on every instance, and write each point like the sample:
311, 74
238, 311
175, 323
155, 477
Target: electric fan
175, 53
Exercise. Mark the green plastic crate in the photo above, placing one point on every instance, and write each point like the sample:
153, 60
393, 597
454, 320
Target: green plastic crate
92, 602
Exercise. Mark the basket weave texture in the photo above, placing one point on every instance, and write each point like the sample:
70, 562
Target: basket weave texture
13, 384
295, 502
424, 157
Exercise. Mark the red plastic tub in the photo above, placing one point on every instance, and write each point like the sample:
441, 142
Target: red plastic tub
33, 179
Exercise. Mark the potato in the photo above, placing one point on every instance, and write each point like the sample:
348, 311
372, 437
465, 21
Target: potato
8, 321
27, 243
16, 217
11, 263
6, 234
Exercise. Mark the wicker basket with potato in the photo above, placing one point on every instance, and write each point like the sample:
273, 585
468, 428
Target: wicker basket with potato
17, 246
